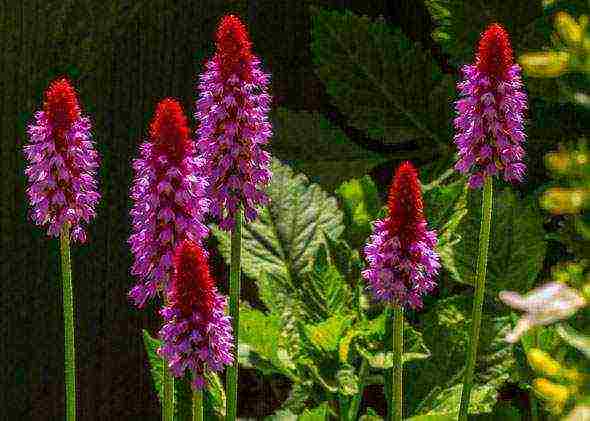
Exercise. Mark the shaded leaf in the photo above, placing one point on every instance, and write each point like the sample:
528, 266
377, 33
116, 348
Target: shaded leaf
383, 82
361, 204
311, 145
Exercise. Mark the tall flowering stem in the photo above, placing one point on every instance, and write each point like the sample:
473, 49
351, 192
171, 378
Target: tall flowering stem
233, 110
482, 260
68, 303
234, 311
62, 191
403, 264
197, 334
398, 350
489, 138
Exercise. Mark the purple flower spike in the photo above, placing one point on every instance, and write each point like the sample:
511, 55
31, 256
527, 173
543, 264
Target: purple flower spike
232, 110
62, 164
197, 335
403, 263
169, 200
490, 115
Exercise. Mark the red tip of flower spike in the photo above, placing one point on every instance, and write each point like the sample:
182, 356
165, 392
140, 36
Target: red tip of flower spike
169, 129
61, 104
406, 210
494, 54
233, 45
192, 285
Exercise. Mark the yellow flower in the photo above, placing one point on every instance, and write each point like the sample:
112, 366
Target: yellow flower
545, 64
568, 28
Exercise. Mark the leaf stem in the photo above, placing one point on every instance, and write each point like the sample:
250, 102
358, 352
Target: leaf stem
484, 243
198, 405
68, 304
356, 401
234, 308
167, 387
396, 401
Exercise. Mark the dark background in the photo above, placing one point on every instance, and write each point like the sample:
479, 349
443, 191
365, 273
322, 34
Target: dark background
123, 58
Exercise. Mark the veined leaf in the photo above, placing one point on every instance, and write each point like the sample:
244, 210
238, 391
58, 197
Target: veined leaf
311, 145
384, 83
283, 241
517, 244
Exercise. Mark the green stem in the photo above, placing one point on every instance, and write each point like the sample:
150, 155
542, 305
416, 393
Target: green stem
484, 243
398, 350
68, 303
356, 401
198, 405
234, 312
167, 388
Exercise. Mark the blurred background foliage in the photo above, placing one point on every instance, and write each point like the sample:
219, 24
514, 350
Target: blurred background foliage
358, 87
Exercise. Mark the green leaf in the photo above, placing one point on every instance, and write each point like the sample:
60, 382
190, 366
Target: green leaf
156, 362
459, 24
311, 145
435, 417
574, 338
386, 84
371, 415
319, 413
348, 382
215, 394
446, 331
325, 336
483, 399
517, 243
361, 203
260, 336
323, 291
283, 241
369, 337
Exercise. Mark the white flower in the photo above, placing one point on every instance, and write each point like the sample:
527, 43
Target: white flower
544, 305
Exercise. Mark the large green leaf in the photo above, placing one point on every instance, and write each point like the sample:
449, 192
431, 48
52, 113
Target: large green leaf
517, 244
308, 142
385, 84
283, 241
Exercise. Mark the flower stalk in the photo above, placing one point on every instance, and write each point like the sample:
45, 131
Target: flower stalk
482, 260
198, 405
234, 312
68, 307
396, 401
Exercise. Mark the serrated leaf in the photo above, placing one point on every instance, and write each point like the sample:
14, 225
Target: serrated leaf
361, 203
311, 145
283, 241
383, 82
483, 399
517, 243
